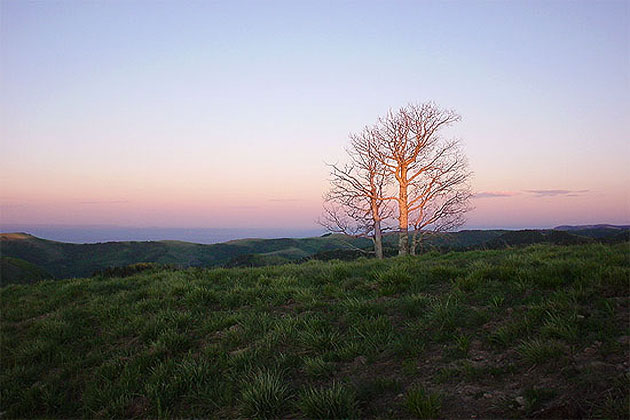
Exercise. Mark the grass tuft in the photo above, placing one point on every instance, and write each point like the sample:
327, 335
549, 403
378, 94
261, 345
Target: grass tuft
333, 402
422, 404
538, 351
316, 367
264, 395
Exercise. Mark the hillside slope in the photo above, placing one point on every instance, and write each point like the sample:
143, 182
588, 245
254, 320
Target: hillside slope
17, 271
529, 237
539, 332
64, 260
76, 260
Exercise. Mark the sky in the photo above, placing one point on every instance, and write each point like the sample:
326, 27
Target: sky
222, 114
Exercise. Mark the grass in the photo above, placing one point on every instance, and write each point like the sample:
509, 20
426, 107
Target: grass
264, 395
328, 402
538, 351
422, 404
437, 335
317, 367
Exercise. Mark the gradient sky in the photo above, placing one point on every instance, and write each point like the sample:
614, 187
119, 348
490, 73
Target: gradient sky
222, 114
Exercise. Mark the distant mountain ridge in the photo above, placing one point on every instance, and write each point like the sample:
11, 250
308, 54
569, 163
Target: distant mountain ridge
585, 227
37, 258
62, 259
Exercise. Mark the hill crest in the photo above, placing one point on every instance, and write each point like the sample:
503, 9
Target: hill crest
16, 236
597, 226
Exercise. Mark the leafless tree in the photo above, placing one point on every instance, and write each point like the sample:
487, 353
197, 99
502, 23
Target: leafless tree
440, 197
431, 174
354, 205
404, 160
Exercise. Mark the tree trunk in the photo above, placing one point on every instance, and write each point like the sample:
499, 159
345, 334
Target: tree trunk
414, 242
376, 217
403, 242
403, 217
378, 240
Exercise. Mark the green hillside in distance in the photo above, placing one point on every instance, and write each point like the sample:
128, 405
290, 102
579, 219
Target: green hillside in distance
529, 237
63, 260
17, 271
530, 332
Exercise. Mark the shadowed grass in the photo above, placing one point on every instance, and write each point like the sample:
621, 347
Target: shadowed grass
329, 402
264, 395
422, 404
327, 339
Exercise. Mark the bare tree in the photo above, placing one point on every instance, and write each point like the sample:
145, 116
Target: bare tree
401, 159
354, 205
431, 174
440, 196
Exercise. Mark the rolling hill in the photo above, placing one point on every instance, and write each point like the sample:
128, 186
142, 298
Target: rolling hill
534, 332
17, 271
79, 260
63, 260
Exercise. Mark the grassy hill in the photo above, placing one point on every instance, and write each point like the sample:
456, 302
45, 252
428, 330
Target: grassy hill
78, 260
540, 331
529, 237
63, 260
17, 271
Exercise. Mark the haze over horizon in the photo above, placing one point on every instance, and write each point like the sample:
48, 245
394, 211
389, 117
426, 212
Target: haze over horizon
221, 115
102, 233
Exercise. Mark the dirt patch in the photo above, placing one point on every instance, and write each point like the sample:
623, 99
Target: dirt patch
138, 407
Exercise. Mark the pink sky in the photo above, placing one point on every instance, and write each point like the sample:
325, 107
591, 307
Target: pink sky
227, 119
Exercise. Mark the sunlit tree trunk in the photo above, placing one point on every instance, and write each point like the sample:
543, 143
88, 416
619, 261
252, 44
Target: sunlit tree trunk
403, 215
429, 172
378, 235
378, 240
355, 205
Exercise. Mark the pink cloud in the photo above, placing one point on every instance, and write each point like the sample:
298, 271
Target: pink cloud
495, 194
555, 193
